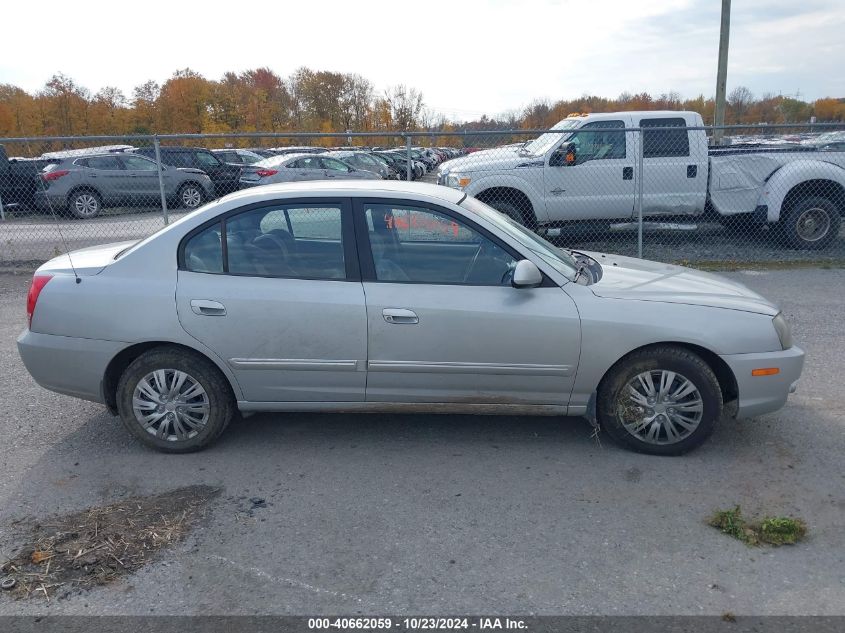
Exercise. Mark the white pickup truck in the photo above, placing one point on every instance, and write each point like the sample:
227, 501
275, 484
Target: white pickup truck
588, 169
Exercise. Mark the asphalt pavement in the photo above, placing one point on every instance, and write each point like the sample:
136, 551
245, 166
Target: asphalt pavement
399, 514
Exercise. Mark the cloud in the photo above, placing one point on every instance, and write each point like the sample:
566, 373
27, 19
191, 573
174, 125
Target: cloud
468, 57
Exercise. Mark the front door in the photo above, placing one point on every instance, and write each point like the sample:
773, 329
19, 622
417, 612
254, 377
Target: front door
282, 303
599, 184
444, 323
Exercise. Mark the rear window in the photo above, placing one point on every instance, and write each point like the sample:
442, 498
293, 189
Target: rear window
665, 143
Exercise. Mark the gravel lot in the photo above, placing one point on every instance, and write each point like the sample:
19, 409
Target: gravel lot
455, 514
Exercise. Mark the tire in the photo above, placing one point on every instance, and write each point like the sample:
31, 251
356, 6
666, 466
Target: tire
812, 223
191, 196
509, 209
84, 204
631, 421
204, 416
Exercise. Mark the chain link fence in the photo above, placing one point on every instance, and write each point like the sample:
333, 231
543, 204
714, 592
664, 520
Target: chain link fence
649, 185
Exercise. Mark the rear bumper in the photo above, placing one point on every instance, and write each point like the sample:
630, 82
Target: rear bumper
68, 365
764, 394
45, 200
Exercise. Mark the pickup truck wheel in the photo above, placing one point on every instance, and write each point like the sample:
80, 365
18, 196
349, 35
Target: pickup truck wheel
84, 204
812, 223
661, 400
509, 209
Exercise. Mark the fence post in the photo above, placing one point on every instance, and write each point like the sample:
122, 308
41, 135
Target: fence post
640, 196
161, 180
2, 210
408, 156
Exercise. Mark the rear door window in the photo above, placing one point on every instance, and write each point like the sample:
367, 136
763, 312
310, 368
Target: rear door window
666, 142
108, 163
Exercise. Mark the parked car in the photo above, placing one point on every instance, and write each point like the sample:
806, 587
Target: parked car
399, 297
224, 176
83, 186
399, 162
297, 149
300, 167
392, 169
20, 180
586, 170
363, 161
238, 156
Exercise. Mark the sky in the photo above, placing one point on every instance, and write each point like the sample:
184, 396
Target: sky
468, 57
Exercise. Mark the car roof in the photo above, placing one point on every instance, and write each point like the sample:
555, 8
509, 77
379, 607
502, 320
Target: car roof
354, 188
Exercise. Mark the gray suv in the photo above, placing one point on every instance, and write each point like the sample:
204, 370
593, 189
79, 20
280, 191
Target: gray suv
82, 186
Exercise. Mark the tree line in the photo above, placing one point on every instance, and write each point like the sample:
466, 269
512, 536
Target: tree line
260, 100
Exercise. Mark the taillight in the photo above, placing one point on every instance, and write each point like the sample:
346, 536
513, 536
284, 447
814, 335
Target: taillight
55, 175
35, 288
267, 172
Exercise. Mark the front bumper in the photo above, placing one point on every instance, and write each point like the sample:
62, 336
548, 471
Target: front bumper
68, 365
764, 394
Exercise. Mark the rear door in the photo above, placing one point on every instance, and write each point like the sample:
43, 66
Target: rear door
106, 174
282, 303
674, 169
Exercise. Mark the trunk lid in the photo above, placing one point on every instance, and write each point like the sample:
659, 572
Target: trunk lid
86, 261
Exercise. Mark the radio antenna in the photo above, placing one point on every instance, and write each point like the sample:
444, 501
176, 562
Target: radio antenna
40, 179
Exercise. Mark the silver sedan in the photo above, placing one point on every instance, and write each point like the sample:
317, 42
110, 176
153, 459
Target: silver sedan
300, 168
396, 297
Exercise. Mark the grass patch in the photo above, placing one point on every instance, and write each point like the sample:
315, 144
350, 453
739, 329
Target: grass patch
717, 265
99, 545
770, 531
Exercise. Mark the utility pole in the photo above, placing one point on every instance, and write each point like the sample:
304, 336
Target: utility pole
722, 72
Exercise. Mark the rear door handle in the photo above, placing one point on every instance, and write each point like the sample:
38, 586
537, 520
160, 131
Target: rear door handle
399, 316
627, 173
206, 307
692, 171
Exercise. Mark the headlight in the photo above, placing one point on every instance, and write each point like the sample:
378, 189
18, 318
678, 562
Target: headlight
457, 181
782, 328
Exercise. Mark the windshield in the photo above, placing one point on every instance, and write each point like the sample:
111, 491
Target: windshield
557, 258
544, 142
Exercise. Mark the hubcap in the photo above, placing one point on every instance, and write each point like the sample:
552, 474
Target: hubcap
813, 224
86, 204
171, 405
660, 407
191, 197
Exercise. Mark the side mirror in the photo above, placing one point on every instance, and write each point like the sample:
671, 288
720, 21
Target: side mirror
565, 155
526, 275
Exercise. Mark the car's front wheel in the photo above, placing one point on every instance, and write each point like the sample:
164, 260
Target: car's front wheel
174, 400
661, 400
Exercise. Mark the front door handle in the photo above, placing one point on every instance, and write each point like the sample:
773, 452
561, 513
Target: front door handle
205, 307
399, 316
627, 173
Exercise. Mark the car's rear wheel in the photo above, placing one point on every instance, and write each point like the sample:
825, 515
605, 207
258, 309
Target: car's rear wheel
85, 204
191, 196
174, 400
662, 400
